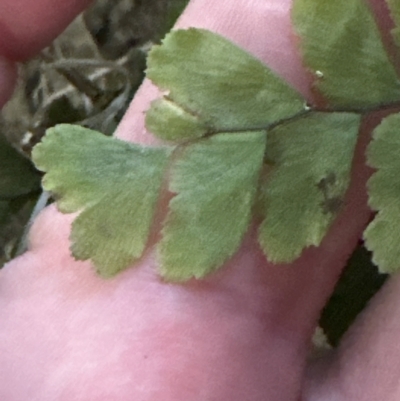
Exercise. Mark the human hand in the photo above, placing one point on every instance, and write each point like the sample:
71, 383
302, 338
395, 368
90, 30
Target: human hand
25, 28
241, 334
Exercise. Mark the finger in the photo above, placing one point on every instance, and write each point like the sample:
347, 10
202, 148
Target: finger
217, 339
295, 297
299, 291
240, 334
28, 26
25, 28
201, 341
366, 367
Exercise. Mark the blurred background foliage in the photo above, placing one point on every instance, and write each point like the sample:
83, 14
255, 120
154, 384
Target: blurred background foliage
88, 76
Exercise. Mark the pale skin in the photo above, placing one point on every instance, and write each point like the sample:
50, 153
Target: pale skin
243, 333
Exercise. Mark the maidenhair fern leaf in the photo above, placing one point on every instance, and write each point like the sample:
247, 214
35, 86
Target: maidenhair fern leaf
215, 86
310, 170
115, 186
341, 44
243, 137
215, 180
383, 234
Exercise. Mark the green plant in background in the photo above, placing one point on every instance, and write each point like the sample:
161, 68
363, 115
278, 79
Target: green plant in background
358, 283
241, 144
174, 11
19, 186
